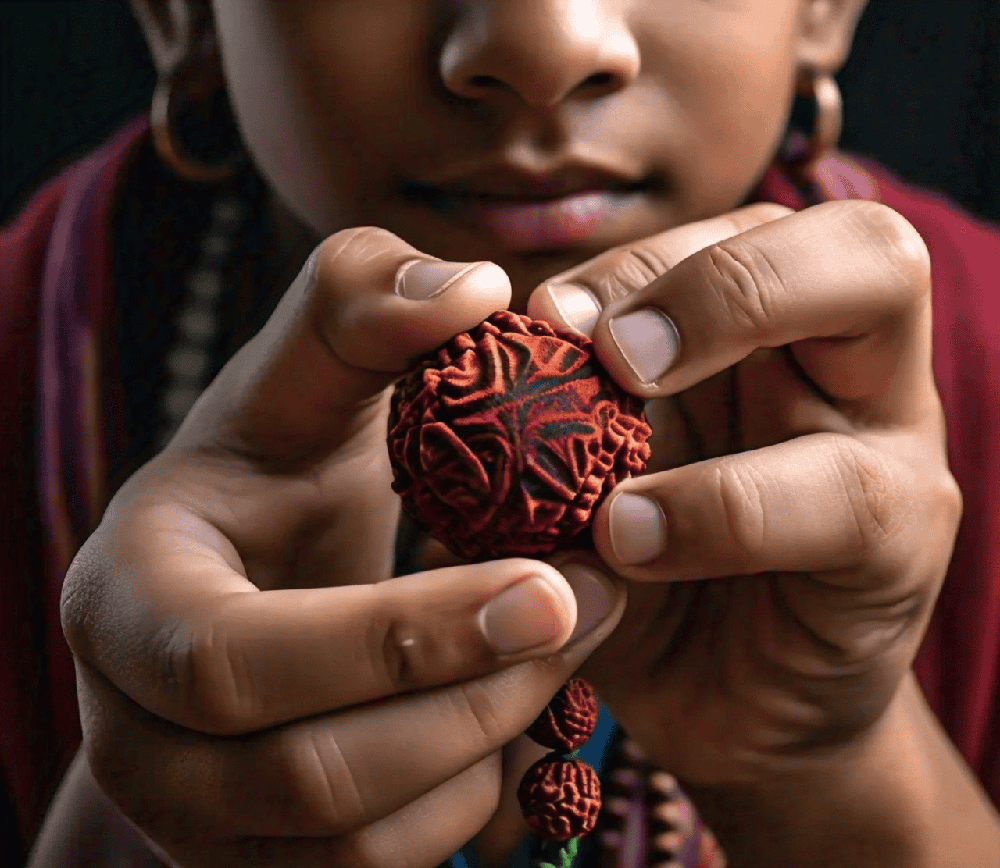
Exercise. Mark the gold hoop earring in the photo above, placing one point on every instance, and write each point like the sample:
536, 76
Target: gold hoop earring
174, 155
822, 89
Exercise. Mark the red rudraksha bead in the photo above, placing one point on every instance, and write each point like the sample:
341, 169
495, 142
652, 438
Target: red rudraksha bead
568, 720
560, 798
505, 441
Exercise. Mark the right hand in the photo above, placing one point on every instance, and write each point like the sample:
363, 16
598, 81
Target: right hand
255, 688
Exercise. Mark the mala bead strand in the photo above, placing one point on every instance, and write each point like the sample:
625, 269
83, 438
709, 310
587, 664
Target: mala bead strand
622, 779
670, 831
674, 828
560, 795
569, 720
623, 824
504, 442
669, 820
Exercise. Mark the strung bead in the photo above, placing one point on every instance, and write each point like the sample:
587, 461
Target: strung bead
569, 719
560, 798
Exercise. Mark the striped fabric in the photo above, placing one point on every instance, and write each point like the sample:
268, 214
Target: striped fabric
646, 821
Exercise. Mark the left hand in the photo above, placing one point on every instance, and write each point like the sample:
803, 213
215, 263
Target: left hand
788, 544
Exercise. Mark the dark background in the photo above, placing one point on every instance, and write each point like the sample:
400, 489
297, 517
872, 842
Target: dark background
922, 91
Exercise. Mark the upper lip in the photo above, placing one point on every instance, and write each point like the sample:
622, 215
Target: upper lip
510, 181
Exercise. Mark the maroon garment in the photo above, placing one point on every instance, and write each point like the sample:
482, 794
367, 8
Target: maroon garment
56, 330
55, 289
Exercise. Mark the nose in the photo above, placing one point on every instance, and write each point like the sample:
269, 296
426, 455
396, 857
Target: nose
541, 51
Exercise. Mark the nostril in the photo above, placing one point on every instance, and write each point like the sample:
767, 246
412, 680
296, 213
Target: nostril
598, 79
597, 84
484, 82
494, 57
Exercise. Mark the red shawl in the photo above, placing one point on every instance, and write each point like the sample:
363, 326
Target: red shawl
56, 323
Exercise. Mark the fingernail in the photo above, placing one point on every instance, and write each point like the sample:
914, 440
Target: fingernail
595, 598
577, 306
523, 616
637, 529
421, 279
648, 341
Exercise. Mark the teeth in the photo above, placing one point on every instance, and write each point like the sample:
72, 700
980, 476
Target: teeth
580, 206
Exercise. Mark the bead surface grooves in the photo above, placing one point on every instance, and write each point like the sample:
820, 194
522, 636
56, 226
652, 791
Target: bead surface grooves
505, 441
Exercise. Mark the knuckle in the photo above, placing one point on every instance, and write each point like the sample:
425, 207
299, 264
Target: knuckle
358, 242
943, 500
872, 492
766, 212
399, 653
739, 491
342, 258
76, 598
629, 269
329, 796
949, 501
745, 284
757, 214
483, 713
643, 263
897, 243
634, 266
207, 677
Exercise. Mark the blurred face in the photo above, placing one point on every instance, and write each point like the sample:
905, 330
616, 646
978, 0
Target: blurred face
534, 133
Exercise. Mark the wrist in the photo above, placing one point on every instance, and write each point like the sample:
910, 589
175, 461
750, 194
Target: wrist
899, 791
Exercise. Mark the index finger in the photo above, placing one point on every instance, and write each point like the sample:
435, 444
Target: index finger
575, 298
845, 285
199, 645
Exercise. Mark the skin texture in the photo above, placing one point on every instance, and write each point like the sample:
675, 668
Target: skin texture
691, 95
239, 639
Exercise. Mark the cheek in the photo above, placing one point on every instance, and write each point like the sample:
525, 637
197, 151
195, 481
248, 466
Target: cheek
752, 85
309, 103
730, 78
741, 132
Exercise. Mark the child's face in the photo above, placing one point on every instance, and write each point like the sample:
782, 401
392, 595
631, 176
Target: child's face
534, 133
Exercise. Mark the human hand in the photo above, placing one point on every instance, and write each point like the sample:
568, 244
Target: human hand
255, 689
788, 547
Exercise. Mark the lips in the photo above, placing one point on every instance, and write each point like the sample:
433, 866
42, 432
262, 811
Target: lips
528, 212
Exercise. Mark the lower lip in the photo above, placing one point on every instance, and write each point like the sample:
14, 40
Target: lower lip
525, 226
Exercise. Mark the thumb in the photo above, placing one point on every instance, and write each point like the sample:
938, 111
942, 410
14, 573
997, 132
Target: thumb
363, 308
